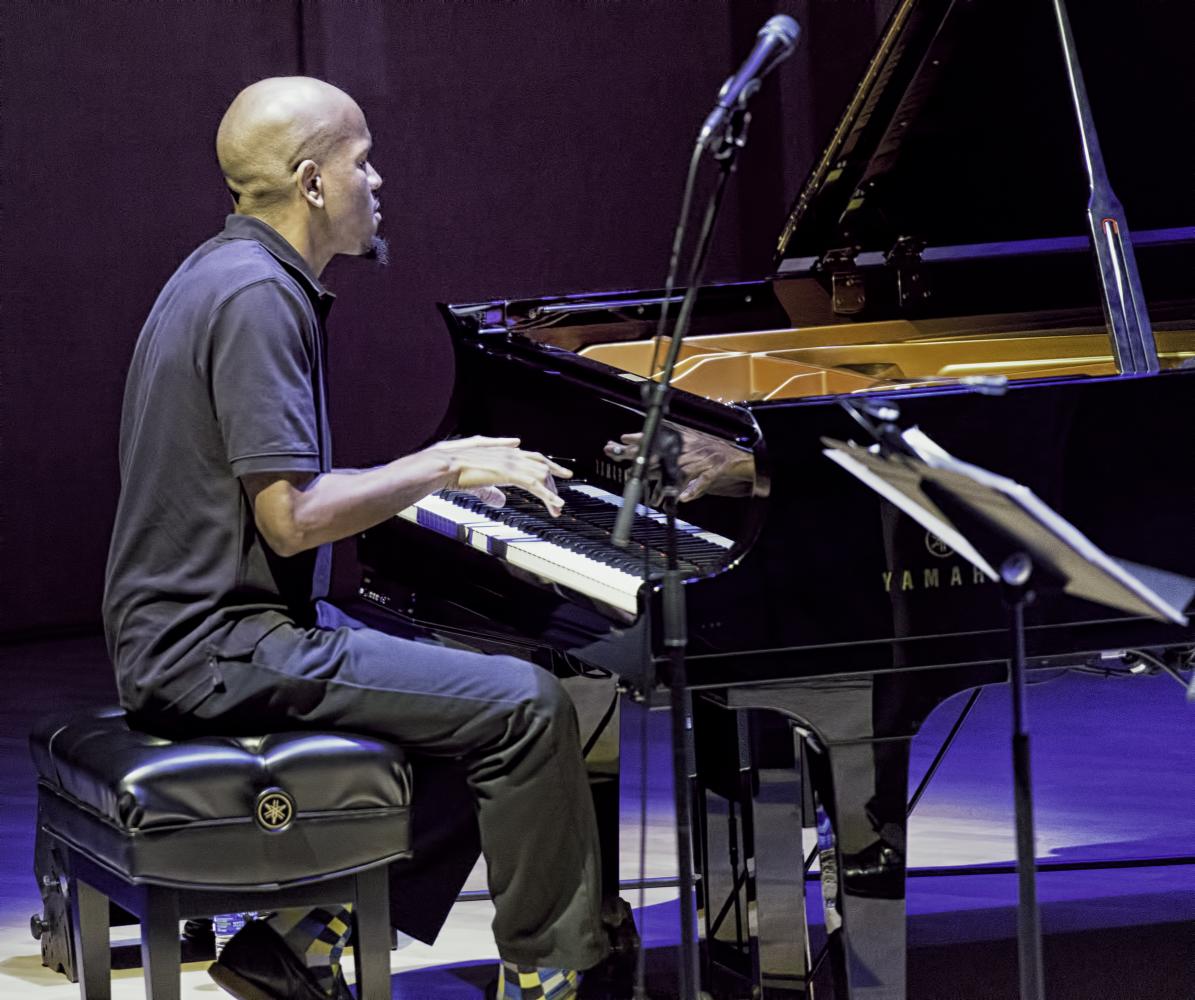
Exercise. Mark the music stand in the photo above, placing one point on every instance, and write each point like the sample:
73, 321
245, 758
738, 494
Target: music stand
1011, 536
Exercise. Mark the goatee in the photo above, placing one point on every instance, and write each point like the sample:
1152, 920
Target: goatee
379, 250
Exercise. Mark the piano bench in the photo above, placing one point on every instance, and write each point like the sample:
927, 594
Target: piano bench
192, 828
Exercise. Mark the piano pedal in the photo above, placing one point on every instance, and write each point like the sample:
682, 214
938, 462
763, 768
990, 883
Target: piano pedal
621, 931
614, 978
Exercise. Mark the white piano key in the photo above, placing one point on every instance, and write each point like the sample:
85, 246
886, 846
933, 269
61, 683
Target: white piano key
551, 562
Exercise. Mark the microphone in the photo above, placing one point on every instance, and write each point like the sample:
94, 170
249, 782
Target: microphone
774, 44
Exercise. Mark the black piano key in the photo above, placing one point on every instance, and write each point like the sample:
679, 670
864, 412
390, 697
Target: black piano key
585, 527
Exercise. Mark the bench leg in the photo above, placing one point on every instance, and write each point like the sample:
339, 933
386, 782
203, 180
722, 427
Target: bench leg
371, 913
91, 941
161, 952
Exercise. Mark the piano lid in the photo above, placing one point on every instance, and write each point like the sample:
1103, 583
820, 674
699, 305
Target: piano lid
962, 130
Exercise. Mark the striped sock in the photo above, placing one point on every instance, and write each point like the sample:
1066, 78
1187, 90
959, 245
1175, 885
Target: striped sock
319, 937
522, 982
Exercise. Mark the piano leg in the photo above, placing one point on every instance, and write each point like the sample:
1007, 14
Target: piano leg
860, 789
857, 732
750, 869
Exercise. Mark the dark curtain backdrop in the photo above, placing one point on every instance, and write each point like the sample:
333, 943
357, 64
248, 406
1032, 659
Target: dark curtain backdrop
528, 148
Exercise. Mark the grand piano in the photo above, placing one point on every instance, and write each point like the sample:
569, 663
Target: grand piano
958, 251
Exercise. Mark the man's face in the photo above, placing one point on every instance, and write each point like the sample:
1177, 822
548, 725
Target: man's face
350, 189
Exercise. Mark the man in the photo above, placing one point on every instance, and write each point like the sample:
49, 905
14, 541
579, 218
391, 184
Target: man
220, 554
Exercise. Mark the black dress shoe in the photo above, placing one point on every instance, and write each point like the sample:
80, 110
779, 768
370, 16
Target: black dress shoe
258, 965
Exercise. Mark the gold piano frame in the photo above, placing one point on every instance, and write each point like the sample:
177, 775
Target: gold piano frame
849, 358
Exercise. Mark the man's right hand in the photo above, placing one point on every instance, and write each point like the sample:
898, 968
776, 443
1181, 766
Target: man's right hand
298, 511
480, 464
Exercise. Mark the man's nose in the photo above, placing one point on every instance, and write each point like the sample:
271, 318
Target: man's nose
375, 179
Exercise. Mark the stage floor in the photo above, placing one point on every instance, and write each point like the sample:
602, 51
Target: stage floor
1114, 781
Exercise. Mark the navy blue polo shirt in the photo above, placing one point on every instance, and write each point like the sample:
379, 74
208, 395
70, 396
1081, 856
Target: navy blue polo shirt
227, 378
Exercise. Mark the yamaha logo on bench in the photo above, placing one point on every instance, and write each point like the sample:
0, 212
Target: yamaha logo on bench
275, 810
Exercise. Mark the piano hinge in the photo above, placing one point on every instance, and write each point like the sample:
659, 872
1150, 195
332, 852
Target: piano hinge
912, 285
847, 289
484, 317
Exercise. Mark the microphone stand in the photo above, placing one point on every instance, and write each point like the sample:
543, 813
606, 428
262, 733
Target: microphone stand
663, 443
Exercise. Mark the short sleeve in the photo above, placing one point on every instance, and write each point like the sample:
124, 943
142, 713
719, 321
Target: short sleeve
263, 380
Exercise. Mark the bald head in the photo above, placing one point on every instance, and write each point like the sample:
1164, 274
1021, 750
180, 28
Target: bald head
295, 154
272, 127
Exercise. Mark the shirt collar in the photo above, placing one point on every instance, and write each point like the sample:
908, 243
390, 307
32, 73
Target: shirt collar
248, 227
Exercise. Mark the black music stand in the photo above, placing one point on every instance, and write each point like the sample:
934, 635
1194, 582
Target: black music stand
1009, 534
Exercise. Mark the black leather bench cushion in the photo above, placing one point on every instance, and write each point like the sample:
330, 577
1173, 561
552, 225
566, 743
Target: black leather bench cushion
184, 812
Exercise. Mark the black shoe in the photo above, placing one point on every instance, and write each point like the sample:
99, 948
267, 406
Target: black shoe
258, 965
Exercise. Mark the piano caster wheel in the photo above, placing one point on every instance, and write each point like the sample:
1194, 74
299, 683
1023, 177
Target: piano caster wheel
37, 926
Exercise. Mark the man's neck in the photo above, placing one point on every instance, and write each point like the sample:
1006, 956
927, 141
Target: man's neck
298, 234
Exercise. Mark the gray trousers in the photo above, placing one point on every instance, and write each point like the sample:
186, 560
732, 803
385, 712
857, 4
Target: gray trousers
497, 766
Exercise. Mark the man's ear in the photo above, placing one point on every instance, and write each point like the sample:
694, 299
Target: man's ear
311, 184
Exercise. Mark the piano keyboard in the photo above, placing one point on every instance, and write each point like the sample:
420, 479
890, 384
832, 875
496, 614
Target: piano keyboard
572, 550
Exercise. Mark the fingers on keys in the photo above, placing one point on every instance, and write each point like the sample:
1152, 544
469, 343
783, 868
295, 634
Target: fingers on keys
491, 496
480, 467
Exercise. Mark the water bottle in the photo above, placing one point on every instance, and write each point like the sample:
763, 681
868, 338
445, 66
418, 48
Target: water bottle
225, 925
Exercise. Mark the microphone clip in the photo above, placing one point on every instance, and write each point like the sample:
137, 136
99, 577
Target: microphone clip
726, 144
